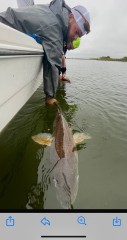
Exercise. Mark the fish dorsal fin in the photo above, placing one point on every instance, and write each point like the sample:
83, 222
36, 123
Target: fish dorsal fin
43, 139
80, 137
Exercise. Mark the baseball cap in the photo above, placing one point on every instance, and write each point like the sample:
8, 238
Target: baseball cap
82, 18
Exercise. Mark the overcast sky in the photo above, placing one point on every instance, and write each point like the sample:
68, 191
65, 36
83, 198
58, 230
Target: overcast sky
108, 36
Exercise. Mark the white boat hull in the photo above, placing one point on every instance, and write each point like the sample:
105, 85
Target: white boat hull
20, 71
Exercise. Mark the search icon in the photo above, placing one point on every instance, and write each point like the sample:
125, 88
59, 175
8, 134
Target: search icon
81, 220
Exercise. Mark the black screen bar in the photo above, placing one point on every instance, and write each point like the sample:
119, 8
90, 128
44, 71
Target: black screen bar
65, 236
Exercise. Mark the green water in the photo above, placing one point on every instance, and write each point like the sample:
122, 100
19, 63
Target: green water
95, 103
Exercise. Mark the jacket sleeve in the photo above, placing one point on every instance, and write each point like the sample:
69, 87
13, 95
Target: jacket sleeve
50, 78
53, 47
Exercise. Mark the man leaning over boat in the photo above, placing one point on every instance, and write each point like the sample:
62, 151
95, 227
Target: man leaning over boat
55, 24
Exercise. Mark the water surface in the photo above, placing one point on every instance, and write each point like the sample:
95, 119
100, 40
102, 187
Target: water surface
94, 103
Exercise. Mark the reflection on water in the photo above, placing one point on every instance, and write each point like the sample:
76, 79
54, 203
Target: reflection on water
95, 103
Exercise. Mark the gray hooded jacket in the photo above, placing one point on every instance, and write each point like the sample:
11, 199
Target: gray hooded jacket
50, 23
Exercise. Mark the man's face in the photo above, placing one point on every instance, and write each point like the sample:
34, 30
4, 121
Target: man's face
73, 32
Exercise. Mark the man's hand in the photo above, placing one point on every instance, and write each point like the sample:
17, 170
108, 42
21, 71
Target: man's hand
51, 101
65, 78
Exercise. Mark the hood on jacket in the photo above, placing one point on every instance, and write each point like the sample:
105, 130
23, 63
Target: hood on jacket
61, 10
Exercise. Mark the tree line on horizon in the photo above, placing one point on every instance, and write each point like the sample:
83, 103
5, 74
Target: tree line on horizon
108, 58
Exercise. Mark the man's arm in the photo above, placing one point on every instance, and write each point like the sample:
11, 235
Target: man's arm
53, 48
50, 78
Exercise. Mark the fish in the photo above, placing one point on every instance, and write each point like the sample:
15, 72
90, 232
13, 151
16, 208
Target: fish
64, 158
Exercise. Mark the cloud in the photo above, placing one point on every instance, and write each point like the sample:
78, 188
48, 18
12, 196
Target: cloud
108, 27
108, 30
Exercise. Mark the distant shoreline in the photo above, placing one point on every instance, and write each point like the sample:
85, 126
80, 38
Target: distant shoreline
124, 59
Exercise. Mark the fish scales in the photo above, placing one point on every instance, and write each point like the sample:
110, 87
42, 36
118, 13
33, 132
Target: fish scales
58, 134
